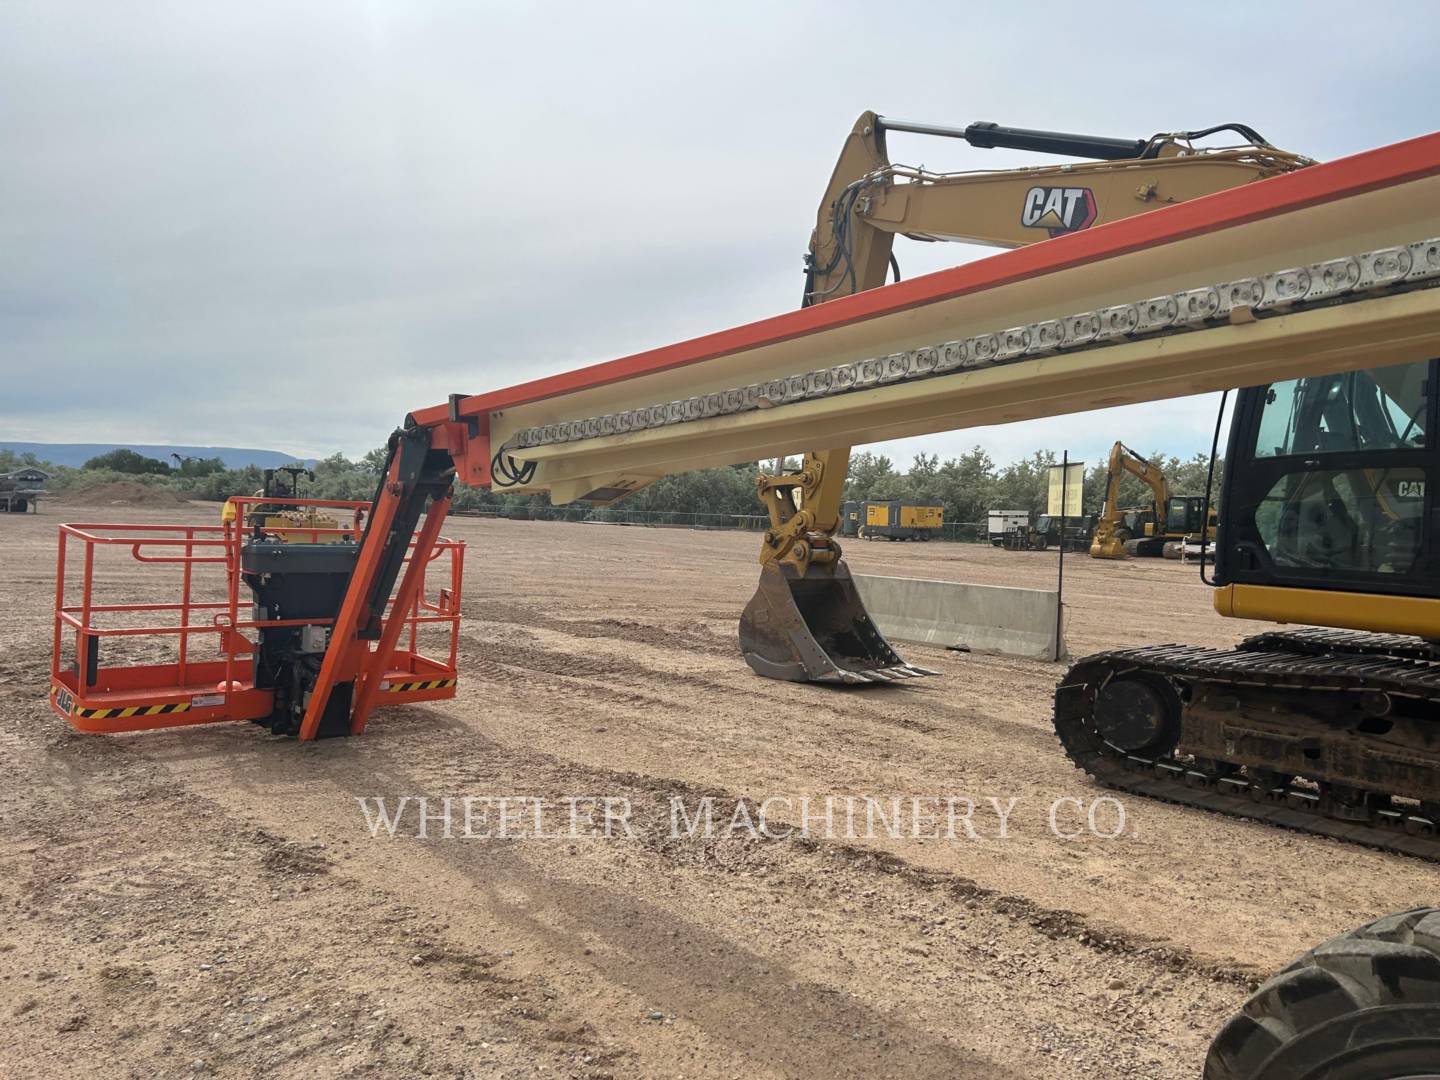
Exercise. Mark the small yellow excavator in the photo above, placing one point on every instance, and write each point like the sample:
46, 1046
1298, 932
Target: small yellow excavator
1145, 530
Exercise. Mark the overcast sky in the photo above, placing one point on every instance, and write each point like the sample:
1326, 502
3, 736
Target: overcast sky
285, 225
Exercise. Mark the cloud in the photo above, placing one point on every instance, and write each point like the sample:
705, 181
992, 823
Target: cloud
288, 225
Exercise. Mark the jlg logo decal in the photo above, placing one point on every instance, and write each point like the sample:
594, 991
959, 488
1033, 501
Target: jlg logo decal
1058, 209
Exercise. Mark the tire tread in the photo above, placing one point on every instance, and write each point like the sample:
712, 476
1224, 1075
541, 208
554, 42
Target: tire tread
1393, 961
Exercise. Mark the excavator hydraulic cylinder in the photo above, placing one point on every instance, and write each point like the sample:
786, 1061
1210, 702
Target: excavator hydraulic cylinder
991, 136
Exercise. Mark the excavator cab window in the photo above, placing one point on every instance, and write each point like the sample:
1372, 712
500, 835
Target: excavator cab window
1373, 409
1328, 483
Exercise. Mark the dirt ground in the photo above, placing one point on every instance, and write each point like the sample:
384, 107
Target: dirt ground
210, 900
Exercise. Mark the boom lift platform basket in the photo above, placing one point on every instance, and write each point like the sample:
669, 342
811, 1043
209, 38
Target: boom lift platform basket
213, 651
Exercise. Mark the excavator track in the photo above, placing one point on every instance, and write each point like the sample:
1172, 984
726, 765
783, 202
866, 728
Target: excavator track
1316, 673
1324, 641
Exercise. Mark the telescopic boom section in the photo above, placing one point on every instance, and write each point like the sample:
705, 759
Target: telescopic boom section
1326, 269
414, 492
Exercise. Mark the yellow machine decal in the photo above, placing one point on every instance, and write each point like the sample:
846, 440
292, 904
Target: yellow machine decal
428, 684
65, 702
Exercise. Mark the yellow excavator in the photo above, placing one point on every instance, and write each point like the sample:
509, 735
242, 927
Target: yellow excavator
1146, 530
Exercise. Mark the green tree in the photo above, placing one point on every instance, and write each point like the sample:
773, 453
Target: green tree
337, 477
374, 460
966, 486
195, 467
122, 460
1025, 484
727, 490
867, 472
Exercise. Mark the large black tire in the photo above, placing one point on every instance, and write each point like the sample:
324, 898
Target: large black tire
1363, 1006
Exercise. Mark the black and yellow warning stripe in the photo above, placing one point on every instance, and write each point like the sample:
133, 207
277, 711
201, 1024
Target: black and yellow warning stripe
132, 710
428, 684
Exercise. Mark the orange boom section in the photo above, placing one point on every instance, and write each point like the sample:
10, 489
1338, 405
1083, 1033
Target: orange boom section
221, 606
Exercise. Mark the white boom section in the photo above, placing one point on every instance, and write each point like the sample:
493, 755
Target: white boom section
1339, 285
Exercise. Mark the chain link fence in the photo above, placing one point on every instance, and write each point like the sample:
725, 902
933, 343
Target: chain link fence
971, 532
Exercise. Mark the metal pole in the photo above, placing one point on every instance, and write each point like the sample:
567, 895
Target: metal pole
1060, 580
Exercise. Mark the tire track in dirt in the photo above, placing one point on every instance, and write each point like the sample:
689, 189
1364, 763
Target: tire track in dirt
222, 937
693, 636
498, 660
776, 1020
556, 776
644, 940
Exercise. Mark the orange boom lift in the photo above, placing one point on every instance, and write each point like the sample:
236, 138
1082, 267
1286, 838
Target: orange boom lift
250, 623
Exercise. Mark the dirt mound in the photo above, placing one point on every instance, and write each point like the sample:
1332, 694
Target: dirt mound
122, 493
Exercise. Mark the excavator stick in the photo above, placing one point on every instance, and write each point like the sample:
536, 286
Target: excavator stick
812, 626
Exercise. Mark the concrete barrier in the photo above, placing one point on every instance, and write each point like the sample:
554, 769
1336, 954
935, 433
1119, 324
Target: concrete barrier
983, 618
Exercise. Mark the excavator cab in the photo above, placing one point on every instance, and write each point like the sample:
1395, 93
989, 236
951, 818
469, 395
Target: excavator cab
1327, 482
1184, 515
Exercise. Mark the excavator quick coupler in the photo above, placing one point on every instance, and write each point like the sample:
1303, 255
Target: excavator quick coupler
812, 626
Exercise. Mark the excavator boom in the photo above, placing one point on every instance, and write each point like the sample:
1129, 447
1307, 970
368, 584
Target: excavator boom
869, 200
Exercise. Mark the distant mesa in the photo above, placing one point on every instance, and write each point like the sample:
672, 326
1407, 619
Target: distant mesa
76, 454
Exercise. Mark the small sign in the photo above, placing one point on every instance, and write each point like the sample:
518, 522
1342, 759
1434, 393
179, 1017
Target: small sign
1073, 487
200, 701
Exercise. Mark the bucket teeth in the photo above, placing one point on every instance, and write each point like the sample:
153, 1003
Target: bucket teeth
894, 673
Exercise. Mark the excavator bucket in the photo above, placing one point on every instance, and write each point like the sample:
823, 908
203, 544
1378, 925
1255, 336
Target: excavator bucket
814, 628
